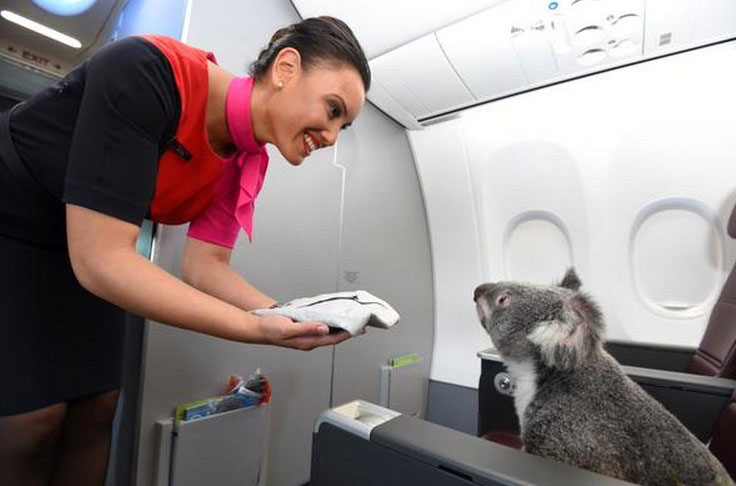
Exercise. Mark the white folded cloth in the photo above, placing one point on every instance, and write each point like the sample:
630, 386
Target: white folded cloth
351, 311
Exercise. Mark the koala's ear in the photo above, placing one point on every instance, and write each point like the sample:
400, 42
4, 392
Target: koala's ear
587, 310
571, 280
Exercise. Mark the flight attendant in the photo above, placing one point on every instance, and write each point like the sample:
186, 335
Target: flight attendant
148, 127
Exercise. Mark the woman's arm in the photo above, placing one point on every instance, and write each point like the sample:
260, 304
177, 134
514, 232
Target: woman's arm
103, 256
206, 267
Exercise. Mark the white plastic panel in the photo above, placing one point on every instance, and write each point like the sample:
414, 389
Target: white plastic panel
535, 54
670, 24
675, 24
715, 18
593, 155
379, 96
521, 44
385, 74
382, 25
480, 49
456, 251
420, 78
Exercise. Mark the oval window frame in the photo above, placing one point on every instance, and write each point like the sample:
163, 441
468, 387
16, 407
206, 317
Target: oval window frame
536, 215
710, 217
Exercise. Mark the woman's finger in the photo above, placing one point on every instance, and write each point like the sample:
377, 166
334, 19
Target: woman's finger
307, 343
307, 328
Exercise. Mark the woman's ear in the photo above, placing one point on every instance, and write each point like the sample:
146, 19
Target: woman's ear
287, 65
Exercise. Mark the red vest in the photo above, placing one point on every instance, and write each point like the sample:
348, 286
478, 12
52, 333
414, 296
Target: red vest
188, 169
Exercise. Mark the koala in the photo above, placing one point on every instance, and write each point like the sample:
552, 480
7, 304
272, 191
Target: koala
574, 403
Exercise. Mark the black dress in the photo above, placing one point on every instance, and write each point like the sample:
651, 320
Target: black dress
92, 140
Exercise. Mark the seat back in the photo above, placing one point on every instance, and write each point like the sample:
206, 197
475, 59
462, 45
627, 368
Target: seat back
723, 442
716, 354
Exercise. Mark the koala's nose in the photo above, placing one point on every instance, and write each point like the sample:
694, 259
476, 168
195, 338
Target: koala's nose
482, 289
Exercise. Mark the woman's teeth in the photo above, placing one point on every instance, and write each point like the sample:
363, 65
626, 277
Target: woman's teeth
310, 143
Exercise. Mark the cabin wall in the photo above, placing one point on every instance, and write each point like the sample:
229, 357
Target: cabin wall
318, 228
628, 175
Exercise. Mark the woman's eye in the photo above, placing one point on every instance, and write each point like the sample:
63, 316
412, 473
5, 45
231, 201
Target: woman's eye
335, 110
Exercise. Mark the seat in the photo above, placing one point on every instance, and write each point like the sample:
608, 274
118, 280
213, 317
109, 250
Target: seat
723, 442
503, 437
715, 356
716, 353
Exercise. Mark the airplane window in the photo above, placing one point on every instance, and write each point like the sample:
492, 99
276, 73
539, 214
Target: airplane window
537, 249
677, 258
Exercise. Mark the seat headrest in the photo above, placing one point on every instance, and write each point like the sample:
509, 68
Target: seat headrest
732, 224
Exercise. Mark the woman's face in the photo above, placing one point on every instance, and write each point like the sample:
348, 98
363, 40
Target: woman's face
312, 107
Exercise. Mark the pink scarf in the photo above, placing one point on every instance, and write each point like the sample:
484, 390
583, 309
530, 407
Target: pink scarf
251, 158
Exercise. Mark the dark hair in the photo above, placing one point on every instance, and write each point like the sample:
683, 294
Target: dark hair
317, 39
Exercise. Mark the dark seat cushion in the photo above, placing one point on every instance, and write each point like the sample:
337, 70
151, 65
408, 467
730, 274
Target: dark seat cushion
508, 439
723, 442
716, 354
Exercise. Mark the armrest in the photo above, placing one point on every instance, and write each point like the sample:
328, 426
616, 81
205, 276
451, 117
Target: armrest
657, 356
697, 401
479, 461
402, 449
496, 410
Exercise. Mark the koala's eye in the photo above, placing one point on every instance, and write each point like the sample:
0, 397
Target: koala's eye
503, 300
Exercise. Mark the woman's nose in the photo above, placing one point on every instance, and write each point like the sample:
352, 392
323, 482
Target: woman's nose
329, 136
483, 289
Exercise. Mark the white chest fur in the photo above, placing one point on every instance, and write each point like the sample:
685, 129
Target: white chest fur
525, 377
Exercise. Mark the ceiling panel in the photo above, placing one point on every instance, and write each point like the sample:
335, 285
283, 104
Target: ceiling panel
89, 27
382, 25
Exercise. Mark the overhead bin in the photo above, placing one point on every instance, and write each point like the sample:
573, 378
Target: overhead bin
420, 78
523, 44
481, 51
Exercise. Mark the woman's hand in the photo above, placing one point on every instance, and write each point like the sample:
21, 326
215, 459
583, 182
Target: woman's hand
305, 335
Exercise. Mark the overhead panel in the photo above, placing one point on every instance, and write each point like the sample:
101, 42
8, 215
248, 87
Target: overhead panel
383, 25
600, 32
670, 24
481, 51
715, 18
380, 97
523, 44
425, 76
535, 54
674, 24
384, 73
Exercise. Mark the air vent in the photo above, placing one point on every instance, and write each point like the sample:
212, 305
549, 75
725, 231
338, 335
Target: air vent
665, 39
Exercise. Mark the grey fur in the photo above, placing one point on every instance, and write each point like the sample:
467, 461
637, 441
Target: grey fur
574, 402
